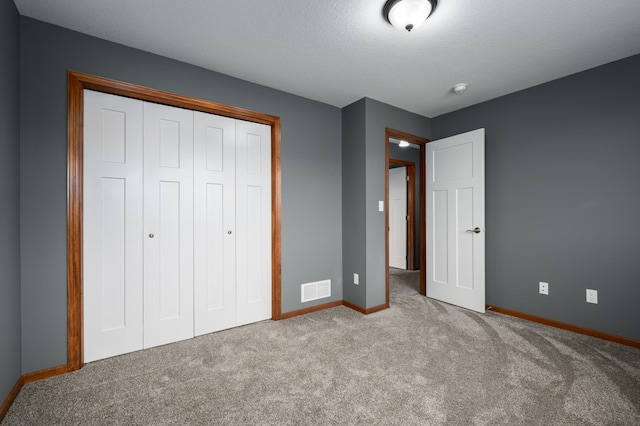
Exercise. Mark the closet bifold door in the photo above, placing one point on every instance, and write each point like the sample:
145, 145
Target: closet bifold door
176, 226
168, 224
253, 222
232, 191
112, 227
214, 221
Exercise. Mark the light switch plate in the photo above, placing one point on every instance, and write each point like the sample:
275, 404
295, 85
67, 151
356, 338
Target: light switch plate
380, 206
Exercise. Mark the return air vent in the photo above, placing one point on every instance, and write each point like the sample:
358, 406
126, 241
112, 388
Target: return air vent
316, 290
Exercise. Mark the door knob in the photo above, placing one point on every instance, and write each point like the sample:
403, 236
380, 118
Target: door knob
476, 230
151, 235
229, 232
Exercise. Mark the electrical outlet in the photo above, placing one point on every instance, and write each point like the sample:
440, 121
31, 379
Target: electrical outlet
356, 279
592, 296
544, 288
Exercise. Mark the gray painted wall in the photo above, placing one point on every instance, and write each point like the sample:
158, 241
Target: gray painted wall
413, 155
10, 346
311, 171
563, 196
364, 126
353, 202
378, 117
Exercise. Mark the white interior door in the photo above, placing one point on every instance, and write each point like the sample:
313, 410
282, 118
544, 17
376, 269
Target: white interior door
456, 220
168, 223
253, 222
215, 241
112, 230
398, 217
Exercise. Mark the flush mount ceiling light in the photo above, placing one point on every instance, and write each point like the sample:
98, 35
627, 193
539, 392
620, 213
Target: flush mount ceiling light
403, 144
408, 14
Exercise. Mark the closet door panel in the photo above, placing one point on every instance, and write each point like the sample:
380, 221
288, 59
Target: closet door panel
177, 224
112, 227
214, 221
253, 222
168, 223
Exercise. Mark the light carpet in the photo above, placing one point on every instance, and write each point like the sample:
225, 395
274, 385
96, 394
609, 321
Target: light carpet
420, 362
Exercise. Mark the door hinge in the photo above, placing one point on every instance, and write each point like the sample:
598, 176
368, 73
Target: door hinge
408, 180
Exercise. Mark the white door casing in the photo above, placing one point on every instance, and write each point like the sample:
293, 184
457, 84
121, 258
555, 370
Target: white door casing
168, 224
398, 217
112, 271
456, 220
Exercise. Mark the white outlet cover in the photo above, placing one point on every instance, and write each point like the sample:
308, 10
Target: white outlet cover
356, 279
543, 288
592, 296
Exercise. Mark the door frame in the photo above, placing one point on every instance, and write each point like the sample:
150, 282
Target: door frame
397, 134
76, 84
411, 207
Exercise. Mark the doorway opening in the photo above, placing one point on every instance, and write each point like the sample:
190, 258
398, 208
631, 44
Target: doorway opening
420, 263
403, 252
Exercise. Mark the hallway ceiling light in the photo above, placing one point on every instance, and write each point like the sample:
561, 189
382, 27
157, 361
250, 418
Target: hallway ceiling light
408, 14
403, 144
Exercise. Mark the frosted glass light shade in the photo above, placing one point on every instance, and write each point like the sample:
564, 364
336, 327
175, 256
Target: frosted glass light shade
408, 14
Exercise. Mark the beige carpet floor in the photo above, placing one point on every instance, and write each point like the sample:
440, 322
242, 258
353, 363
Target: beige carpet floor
421, 362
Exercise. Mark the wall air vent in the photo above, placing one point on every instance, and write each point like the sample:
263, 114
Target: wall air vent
315, 290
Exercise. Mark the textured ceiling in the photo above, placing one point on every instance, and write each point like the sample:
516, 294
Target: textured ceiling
340, 51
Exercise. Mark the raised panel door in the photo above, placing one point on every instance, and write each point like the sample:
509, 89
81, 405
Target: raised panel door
214, 220
253, 222
112, 227
168, 224
455, 220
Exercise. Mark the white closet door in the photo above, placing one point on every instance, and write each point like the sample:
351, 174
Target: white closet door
112, 229
214, 221
168, 223
253, 222
177, 224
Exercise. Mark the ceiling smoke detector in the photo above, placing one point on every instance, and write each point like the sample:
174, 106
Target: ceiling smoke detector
460, 88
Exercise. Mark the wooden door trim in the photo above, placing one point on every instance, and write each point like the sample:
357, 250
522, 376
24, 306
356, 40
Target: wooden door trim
76, 84
396, 134
411, 208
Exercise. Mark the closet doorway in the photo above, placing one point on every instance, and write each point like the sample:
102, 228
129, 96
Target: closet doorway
77, 83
